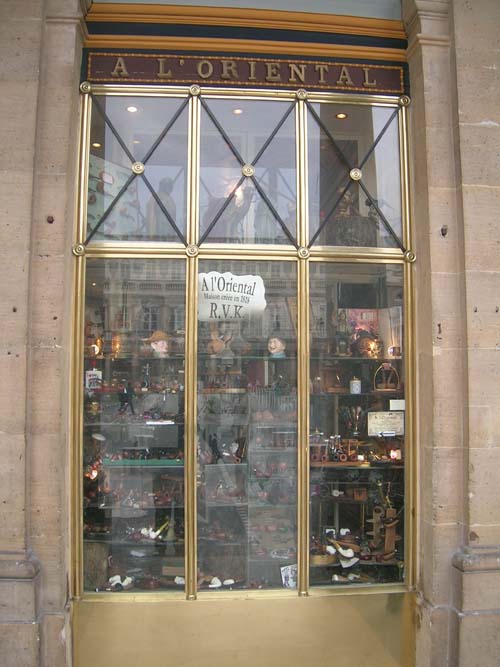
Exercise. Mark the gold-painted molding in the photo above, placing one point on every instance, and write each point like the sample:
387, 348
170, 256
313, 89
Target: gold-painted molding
246, 18
218, 45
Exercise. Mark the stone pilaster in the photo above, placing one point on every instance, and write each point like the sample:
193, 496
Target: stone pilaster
454, 71
441, 334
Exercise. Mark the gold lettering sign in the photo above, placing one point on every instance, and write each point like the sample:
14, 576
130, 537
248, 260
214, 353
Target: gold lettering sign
273, 72
241, 71
120, 69
205, 69
345, 77
162, 74
367, 82
229, 70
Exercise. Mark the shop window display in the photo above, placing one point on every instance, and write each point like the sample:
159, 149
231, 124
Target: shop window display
357, 422
291, 197
247, 426
133, 430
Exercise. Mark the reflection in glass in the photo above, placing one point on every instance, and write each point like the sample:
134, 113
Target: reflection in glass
343, 212
120, 207
247, 425
232, 208
133, 434
357, 411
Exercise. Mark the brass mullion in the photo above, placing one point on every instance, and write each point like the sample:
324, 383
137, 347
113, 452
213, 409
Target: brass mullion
303, 426
410, 426
405, 179
83, 168
410, 357
363, 255
193, 168
76, 425
76, 366
247, 251
190, 433
302, 191
125, 250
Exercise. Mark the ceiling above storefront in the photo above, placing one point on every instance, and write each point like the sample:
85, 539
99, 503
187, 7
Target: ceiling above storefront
382, 9
367, 30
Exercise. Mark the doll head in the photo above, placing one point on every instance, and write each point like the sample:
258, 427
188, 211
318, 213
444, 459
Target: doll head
160, 343
276, 346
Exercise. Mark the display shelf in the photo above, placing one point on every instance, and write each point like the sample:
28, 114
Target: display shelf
146, 463
212, 466
229, 390
361, 563
275, 450
337, 358
345, 393
365, 465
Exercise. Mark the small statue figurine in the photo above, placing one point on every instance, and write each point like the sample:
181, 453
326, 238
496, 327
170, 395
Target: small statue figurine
276, 347
126, 396
160, 344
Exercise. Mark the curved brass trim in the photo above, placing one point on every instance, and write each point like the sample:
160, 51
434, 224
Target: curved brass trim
245, 46
250, 18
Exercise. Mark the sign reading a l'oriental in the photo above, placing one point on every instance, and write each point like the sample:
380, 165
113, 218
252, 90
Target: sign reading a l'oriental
224, 296
257, 72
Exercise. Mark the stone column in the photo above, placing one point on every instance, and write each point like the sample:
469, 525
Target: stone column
40, 56
454, 71
440, 280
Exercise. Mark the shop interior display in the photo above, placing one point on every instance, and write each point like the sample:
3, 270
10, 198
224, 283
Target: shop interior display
248, 466
247, 439
247, 431
133, 430
356, 443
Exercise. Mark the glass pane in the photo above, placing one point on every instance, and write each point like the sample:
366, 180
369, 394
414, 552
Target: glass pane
247, 425
346, 215
136, 215
357, 424
133, 434
248, 218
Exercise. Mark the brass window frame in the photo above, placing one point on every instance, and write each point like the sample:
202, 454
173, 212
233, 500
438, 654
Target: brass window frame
191, 253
